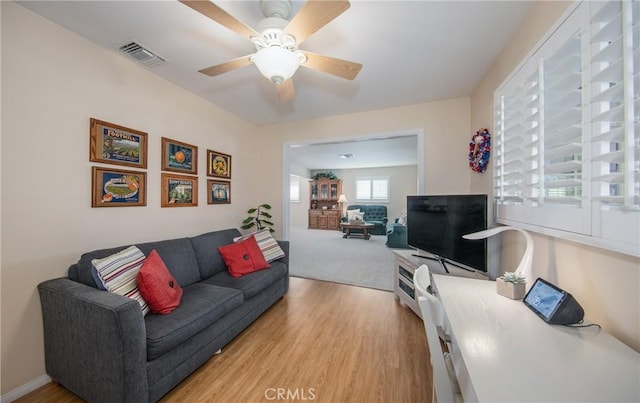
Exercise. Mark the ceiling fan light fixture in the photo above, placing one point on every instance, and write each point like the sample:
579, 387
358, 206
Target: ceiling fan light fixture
276, 63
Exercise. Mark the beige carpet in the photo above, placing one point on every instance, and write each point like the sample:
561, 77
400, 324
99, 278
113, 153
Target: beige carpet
325, 255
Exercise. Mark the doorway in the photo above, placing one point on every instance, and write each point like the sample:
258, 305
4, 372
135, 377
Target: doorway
373, 150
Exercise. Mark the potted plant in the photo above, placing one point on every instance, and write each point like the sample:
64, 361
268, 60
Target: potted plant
511, 285
324, 175
259, 218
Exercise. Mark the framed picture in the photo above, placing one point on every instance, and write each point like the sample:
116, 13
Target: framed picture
114, 144
218, 192
118, 188
218, 164
179, 157
179, 190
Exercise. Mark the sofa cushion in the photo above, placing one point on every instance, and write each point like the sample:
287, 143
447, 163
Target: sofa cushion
352, 213
202, 305
243, 257
355, 215
267, 244
177, 254
251, 284
206, 248
157, 286
118, 274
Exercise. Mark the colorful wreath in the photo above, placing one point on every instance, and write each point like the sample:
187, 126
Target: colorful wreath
479, 150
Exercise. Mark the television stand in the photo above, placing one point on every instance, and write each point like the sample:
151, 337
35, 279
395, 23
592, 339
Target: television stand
406, 262
434, 258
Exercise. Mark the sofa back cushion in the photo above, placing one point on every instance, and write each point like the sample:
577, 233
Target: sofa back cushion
177, 254
206, 250
372, 212
376, 213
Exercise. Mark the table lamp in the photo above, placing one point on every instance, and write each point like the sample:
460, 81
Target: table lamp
341, 200
524, 267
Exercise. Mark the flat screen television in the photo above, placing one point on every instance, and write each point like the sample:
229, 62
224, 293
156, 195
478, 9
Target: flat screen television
436, 224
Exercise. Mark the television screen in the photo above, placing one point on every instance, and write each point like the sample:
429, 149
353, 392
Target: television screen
436, 224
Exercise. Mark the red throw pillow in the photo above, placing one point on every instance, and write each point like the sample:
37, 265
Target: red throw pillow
243, 257
157, 286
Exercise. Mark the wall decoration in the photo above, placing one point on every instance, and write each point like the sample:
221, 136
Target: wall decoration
179, 157
218, 192
179, 190
218, 164
479, 150
118, 188
114, 144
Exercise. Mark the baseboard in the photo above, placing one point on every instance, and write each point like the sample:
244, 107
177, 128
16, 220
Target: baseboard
25, 389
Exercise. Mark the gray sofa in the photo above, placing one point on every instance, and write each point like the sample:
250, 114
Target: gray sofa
100, 346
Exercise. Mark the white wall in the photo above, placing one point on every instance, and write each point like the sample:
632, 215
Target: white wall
52, 82
606, 284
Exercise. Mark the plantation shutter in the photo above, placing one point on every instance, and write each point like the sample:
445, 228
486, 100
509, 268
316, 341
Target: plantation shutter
380, 189
376, 189
615, 142
566, 131
538, 142
363, 189
560, 185
509, 148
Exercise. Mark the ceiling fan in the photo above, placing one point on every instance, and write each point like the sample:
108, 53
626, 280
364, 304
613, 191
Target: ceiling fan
277, 39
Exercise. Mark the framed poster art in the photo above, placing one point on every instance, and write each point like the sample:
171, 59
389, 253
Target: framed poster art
218, 164
114, 144
179, 157
179, 190
218, 192
118, 188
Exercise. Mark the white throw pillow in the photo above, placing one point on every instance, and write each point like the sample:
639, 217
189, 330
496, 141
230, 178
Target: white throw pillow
267, 244
352, 213
119, 274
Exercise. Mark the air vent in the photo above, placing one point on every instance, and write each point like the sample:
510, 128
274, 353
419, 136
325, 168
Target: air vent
141, 54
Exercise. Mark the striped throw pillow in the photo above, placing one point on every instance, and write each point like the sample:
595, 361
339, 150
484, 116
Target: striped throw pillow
267, 244
119, 273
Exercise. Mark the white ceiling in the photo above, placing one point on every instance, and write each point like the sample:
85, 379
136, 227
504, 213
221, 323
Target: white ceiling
412, 52
385, 151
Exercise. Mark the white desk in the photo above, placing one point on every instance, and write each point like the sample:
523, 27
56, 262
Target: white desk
503, 352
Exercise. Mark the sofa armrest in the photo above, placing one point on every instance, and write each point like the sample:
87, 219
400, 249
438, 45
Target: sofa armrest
385, 220
285, 248
94, 341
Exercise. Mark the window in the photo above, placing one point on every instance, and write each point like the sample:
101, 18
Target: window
372, 189
566, 142
294, 188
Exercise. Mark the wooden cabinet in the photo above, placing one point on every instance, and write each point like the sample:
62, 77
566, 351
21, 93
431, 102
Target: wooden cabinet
324, 219
324, 209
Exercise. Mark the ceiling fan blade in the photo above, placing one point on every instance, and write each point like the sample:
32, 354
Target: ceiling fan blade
338, 67
228, 66
217, 14
286, 90
314, 15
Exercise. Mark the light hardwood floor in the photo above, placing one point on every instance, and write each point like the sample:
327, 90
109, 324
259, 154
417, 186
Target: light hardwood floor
323, 342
